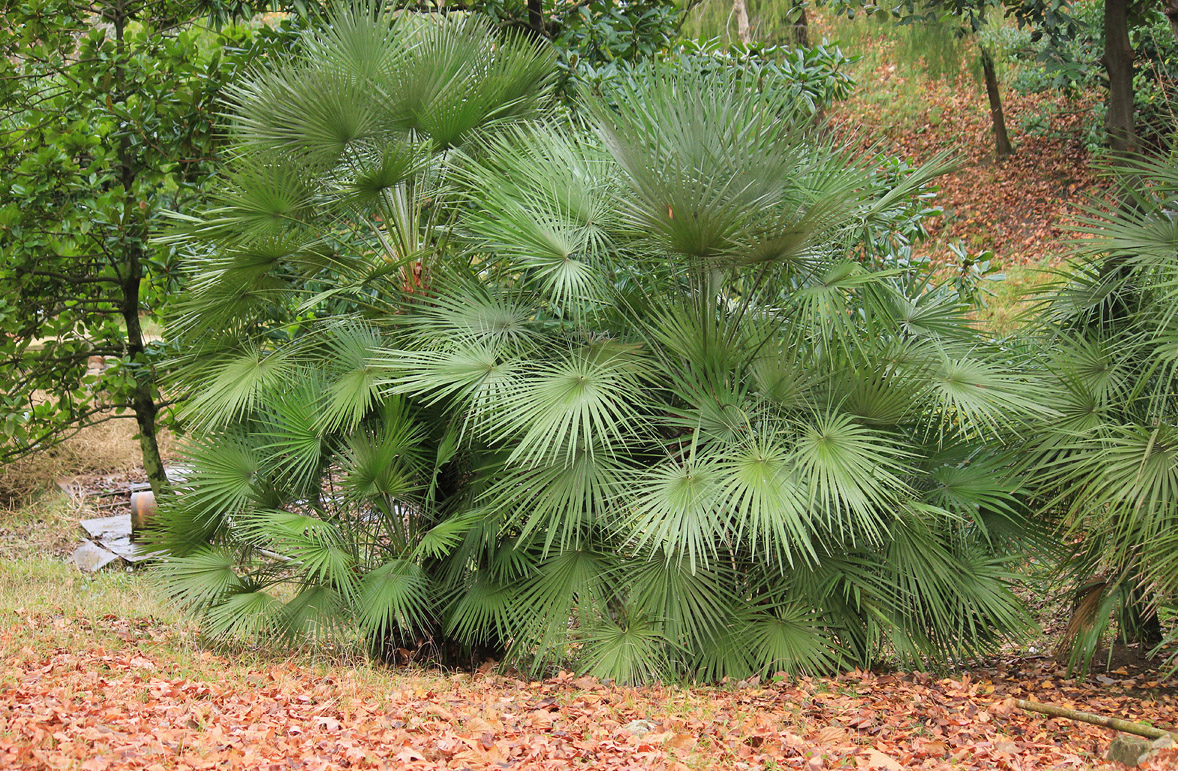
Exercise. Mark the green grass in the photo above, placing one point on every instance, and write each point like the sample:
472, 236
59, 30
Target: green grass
896, 64
47, 605
1011, 298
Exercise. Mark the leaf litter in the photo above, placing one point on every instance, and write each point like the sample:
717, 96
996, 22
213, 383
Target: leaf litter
121, 699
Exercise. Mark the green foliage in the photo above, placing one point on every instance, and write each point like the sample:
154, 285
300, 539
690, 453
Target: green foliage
1107, 464
592, 40
103, 126
817, 75
608, 391
1064, 55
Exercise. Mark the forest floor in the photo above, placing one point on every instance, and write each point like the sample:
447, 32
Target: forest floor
99, 673
1019, 208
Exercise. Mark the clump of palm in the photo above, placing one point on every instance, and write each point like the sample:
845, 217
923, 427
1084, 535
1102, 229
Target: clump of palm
602, 389
1108, 465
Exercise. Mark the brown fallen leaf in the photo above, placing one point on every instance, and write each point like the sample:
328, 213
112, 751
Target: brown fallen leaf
477, 726
936, 748
878, 760
438, 710
408, 755
831, 734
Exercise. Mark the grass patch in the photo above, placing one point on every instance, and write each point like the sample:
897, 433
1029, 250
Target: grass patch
1010, 299
47, 605
46, 525
898, 64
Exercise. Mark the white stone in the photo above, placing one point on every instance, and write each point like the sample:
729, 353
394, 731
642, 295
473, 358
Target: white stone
90, 558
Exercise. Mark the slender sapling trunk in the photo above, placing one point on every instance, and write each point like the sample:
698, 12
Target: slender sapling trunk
742, 21
130, 270
1002, 147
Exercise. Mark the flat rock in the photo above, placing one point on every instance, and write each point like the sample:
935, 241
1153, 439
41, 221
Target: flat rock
133, 553
1134, 750
639, 727
90, 557
108, 527
114, 534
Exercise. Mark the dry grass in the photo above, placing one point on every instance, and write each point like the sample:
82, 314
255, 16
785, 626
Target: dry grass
106, 448
46, 526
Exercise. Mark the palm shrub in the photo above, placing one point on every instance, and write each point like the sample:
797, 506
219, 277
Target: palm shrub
1107, 467
467, 373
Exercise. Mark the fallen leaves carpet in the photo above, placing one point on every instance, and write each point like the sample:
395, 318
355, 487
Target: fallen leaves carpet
130, 706
1020, 207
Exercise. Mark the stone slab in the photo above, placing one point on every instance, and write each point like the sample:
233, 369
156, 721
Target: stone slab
108, 527
90, 558
114, 534
178, 474
1132, 750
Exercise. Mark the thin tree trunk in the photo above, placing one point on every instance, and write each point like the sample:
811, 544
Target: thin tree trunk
742, 21
131, 273
1118, 63
1171, 11
143, 397
1002, 146
536, 17
1139, 621
801, 30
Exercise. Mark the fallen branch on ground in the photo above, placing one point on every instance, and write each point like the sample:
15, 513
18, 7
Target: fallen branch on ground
1126, 726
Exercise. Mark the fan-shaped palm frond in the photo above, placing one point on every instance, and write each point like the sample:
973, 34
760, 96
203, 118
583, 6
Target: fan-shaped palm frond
853, 476
235, 381
585, 399
199, 580
395, 601
628, 651
677, 509
246, 614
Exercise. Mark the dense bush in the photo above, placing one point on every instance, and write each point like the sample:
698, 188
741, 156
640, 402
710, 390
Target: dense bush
1108, 465
610, 390
108, 117
817, 76
1071, 63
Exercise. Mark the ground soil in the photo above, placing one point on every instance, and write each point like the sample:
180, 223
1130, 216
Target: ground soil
1019, 207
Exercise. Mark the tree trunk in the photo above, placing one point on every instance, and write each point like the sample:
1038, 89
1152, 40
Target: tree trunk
1002, 146
143, 397
1118, 63
1139, 622
536, 17
130, 271
742, 21
1171, 11
801, 29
